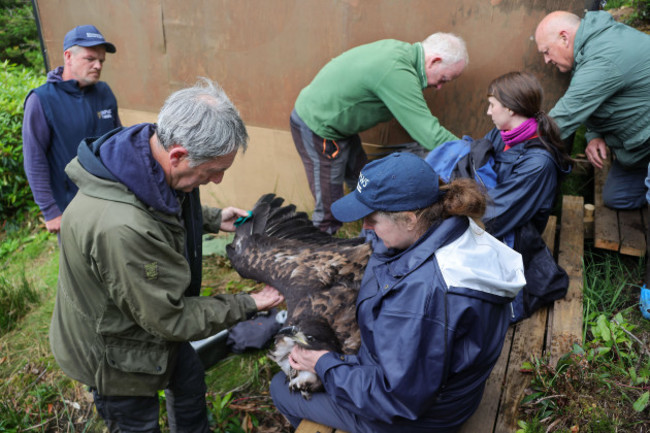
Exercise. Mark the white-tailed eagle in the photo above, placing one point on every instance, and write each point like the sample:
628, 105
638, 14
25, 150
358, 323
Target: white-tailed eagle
318, 274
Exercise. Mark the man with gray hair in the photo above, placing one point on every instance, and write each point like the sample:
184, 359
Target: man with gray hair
128, 299
355, 91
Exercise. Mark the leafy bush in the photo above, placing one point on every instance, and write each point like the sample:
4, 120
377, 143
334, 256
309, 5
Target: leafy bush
15, 196
641, 14
19, 42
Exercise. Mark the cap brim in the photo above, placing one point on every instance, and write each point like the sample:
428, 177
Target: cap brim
110, 48
349, 208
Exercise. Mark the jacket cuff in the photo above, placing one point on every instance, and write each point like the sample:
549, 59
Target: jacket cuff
211, 219
328, 361
250, 307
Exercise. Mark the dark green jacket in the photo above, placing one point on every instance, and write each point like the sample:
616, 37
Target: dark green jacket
370, 84
121, 308
610, 88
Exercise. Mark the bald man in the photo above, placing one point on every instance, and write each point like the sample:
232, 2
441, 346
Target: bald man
609, 92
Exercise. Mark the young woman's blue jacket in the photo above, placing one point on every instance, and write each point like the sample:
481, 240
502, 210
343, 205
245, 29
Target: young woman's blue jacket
433, 320
527, 181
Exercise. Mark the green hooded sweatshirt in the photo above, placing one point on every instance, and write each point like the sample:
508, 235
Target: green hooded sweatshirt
370, 84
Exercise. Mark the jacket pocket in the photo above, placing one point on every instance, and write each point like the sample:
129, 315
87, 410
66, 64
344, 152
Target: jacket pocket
128, 370
135, 360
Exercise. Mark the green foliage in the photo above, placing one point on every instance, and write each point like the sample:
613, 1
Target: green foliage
598, 387
224, 418
16, 299
641, 14
532, 426
607, 279
16, 203
19, 42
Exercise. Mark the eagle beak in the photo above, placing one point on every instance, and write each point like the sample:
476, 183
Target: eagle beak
289, 331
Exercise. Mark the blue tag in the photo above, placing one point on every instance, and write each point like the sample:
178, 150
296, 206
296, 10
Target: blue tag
645, 302
241, 220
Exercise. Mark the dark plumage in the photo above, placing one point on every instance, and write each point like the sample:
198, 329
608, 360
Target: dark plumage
318, 274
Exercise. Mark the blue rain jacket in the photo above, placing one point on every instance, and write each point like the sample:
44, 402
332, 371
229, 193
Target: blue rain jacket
527, 182
433, 320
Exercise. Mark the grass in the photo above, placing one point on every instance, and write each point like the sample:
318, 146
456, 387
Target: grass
34, 393
603, 385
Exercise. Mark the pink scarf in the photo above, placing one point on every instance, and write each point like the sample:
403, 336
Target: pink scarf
523, 132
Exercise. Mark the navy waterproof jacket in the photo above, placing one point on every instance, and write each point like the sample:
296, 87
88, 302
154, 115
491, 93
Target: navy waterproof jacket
433, 320
527, 181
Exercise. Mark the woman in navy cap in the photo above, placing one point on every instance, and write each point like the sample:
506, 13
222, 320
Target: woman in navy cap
432, 309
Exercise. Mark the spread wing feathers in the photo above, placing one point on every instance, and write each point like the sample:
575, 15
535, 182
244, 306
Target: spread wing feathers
318, 274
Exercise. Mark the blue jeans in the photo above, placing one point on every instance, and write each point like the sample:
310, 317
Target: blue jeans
185, 394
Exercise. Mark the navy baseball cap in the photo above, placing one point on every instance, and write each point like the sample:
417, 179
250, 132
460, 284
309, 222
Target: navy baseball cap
86, 36
398, 182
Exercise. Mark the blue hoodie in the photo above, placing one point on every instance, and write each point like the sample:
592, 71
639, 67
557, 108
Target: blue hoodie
58, 115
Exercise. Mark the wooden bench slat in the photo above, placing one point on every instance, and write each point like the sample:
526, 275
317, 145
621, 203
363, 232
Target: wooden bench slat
528, 341
617, 230
632, 229
606, 229
307, 426
566, 327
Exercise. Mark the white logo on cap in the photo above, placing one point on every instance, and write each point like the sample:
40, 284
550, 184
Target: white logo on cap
362, 183
94, 35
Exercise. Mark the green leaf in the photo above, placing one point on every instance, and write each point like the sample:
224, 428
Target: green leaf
642, 402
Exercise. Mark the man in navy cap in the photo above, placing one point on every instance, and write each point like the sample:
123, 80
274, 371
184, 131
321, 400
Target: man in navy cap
72, 105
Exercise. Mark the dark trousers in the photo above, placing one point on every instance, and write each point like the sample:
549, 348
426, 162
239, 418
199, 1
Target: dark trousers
185, 395
625, 187
323, 410
328, 165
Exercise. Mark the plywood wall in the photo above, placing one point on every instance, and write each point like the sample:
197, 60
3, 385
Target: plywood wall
263, 52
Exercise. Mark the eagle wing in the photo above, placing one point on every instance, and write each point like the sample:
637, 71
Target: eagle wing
318, 274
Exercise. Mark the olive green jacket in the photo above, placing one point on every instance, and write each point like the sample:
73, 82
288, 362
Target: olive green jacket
120, 309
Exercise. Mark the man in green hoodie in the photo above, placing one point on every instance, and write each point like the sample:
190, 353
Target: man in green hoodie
609, 92
355, 91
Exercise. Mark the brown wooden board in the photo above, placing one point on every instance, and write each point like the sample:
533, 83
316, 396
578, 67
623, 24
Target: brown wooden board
606, 234
632, 229
566, 328
307, 426
528, 340
600, 175
549, 238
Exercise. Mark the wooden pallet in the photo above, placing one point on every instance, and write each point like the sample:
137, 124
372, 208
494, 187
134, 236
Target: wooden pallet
623, 231
551, 330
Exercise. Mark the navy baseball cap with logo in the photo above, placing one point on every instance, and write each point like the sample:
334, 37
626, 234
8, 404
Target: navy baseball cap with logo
398, 182
86, 36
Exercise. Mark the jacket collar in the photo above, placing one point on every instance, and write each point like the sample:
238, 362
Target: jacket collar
436, 237
418, 59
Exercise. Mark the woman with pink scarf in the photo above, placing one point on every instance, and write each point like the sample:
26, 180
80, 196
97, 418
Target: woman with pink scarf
529, 160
